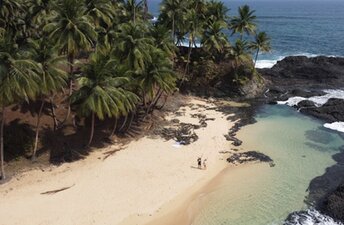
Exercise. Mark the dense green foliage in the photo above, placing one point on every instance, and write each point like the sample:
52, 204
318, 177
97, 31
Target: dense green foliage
109, 54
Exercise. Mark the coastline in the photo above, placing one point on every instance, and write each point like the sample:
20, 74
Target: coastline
139, 180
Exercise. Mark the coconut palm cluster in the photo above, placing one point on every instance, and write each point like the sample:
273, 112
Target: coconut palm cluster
108, 58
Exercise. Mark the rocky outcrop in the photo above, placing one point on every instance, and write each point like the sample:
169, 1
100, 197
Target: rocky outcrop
295, 70
302, 76
331, 111
334, 206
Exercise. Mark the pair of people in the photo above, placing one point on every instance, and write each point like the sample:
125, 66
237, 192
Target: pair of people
199, 163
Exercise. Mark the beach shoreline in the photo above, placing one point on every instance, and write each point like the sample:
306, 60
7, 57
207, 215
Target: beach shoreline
138, 181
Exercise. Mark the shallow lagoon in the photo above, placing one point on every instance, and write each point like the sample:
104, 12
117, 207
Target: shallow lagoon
258, 194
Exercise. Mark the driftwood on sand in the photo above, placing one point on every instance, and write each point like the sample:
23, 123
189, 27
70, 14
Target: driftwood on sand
56, 191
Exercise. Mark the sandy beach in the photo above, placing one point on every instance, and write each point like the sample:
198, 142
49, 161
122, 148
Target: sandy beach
128, 187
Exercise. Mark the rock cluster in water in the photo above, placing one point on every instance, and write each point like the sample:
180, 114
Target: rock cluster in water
331, 111
250, 156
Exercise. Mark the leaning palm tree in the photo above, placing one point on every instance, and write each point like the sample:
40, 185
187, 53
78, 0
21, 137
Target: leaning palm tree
157, 78
72, 31
19, 80
244, 22
102, 91
214, 40
52, 79
261, 44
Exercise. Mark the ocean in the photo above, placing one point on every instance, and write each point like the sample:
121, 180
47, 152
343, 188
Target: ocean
296, 27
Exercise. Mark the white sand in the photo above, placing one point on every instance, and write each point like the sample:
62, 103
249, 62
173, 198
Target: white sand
136, 181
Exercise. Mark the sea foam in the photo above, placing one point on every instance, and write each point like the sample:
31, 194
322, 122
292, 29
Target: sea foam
318, 100
338, 126
310, 217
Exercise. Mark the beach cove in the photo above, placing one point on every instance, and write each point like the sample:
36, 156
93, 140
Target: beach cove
136, 180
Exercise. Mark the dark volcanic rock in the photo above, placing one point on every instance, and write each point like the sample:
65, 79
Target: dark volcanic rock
331, 111
302, 76
306, 104
250, 156
326, 192
318, 69
184, 133
334, 206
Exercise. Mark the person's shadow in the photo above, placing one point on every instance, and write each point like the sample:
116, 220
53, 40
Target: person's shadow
195, 167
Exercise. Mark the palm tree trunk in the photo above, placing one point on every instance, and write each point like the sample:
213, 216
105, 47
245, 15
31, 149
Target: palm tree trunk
145, 9
255, 60
134, 19
52, 108
187, 63
154, 102
92, 130
189, 56
163, 104
3, 176
37, 130
114, 128
144, 99
71, 70
131, 120
124, 123
173, 29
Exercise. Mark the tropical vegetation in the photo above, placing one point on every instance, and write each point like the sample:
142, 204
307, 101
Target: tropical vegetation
107, 60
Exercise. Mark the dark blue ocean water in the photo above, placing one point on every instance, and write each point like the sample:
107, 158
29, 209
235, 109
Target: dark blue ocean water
297, 27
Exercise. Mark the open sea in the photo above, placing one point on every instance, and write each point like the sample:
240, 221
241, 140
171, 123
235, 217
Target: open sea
302, 147
296, 27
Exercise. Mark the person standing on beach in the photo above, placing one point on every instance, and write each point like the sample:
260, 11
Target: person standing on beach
199, 162
205, 164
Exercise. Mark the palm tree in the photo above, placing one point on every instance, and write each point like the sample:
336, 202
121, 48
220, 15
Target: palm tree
145, 9
11, 16
101, 11
193, 28
38, 10
72, 31
172, 14
216, 11
102, 91
52, 79
133, 46
19, 80
157, 78
214, 40
261, 44
163, 40
133, 9
244, 23
239, 54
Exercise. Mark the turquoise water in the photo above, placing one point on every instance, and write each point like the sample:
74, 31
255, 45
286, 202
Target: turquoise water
258, 194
